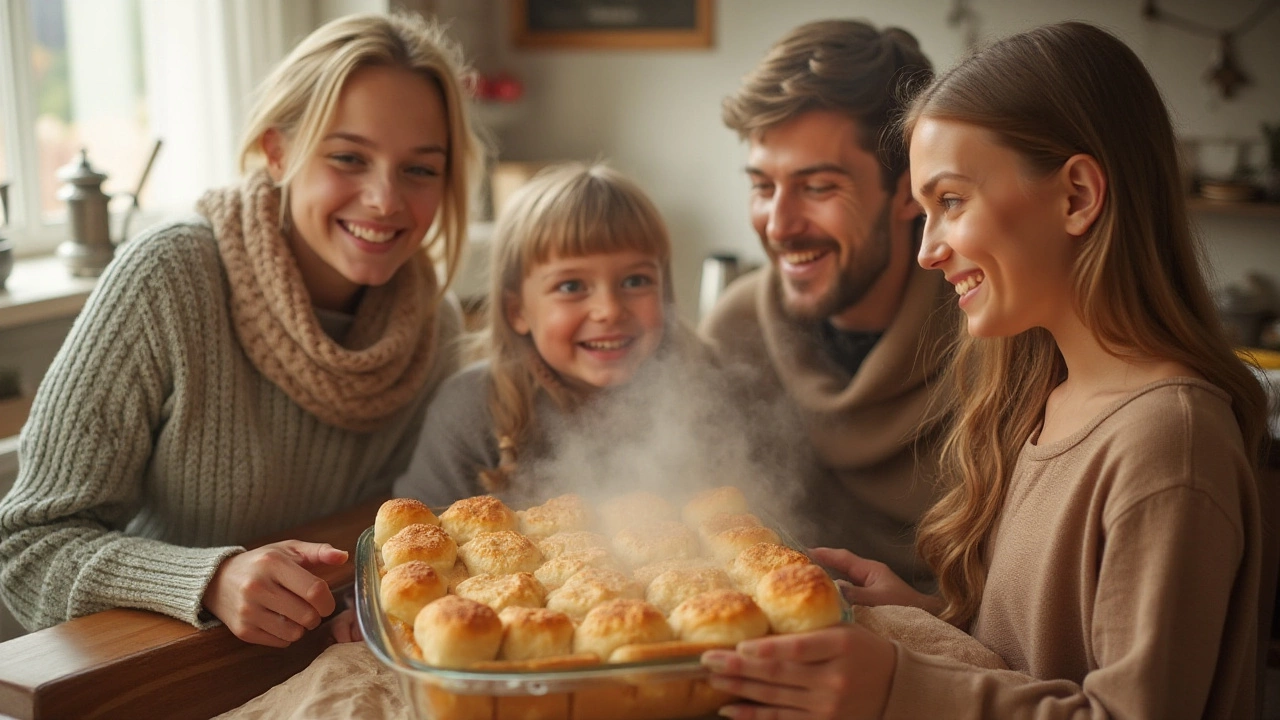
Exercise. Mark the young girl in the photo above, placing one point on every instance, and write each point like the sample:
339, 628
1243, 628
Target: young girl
581, 299
260, 367
1101, 529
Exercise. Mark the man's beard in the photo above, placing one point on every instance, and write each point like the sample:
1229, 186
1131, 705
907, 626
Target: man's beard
852, 284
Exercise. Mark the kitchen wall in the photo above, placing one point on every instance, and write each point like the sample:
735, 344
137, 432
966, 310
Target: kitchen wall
656, 114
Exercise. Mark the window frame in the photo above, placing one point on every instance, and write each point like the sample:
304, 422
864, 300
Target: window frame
238, 43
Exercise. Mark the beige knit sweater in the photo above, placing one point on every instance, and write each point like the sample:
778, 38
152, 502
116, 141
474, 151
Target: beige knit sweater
1123, 577
155, 448
872, 471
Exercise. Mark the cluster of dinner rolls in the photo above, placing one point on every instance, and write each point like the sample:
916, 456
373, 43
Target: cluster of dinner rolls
634, 578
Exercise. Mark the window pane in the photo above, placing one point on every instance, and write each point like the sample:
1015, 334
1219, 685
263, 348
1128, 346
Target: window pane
86, 63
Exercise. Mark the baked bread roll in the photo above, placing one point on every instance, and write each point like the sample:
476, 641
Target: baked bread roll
725, 499
719, 522
724, 546
499, 553
588, 588
555, 571
428, 543
532, 633
638, 508
519, 589
645, 574
799, 598
759, 560
567, 542
454, 632
619, 622
675, 586
409, 586
397, 514
724, 617
566, 513
471, 516
641, 545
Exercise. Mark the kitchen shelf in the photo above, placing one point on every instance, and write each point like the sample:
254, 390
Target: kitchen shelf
1238, 209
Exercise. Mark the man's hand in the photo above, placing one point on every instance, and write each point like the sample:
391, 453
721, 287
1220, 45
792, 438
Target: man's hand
841, 672
872, 583
268, 596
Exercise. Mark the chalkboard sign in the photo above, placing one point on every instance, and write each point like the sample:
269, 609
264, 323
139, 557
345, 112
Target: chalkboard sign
612, 23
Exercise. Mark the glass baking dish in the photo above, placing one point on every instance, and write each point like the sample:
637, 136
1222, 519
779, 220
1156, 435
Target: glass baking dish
648, 690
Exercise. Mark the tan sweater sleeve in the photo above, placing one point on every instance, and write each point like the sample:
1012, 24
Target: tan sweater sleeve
1163, 593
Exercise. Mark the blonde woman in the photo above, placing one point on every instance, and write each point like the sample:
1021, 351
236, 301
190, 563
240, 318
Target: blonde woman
581, 299
260, 366
1100, 530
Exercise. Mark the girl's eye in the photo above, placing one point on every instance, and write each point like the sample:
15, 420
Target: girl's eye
638, 281
569, 287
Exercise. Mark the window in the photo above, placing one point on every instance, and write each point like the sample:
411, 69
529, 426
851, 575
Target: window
113, 76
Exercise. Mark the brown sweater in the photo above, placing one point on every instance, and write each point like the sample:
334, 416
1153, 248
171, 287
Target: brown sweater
1123, 575
871, 474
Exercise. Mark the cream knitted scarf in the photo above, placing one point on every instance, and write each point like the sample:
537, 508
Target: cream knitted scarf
356, 384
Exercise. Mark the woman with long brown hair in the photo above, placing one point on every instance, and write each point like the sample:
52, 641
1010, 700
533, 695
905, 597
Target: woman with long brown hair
1099, 527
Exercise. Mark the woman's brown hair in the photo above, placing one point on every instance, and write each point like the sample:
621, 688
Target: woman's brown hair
1049, 94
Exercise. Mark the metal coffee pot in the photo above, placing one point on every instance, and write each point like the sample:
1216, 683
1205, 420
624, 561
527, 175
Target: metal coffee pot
90, 248
6, 245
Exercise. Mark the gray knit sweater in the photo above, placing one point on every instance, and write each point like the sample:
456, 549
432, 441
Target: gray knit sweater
155, 448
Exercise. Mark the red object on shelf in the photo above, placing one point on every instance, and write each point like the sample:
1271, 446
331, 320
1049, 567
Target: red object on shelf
496, 87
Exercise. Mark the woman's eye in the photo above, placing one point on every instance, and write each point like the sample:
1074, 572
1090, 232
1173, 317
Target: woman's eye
638, 281
345, 158
423, 171
948, 202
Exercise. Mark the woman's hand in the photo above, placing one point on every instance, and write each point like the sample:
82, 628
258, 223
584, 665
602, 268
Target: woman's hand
344, 627
841, 672
872, 583
268, 596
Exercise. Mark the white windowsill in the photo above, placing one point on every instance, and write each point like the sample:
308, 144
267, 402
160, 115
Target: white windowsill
41, 288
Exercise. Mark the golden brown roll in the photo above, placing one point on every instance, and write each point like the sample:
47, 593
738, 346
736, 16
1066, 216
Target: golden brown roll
566, 513
588, 588
567, 542
407, 587
428, 543
645, 574
619, 622
725, 499
454, 632
519, 589
471, 516
397, 514
724, 546
649, 543
799, 598
719, 522
638, 508
555, 571
499, 553
758, 560
675, 586
532, 633
725, 617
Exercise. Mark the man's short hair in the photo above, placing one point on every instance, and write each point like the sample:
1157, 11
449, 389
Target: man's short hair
843, 65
